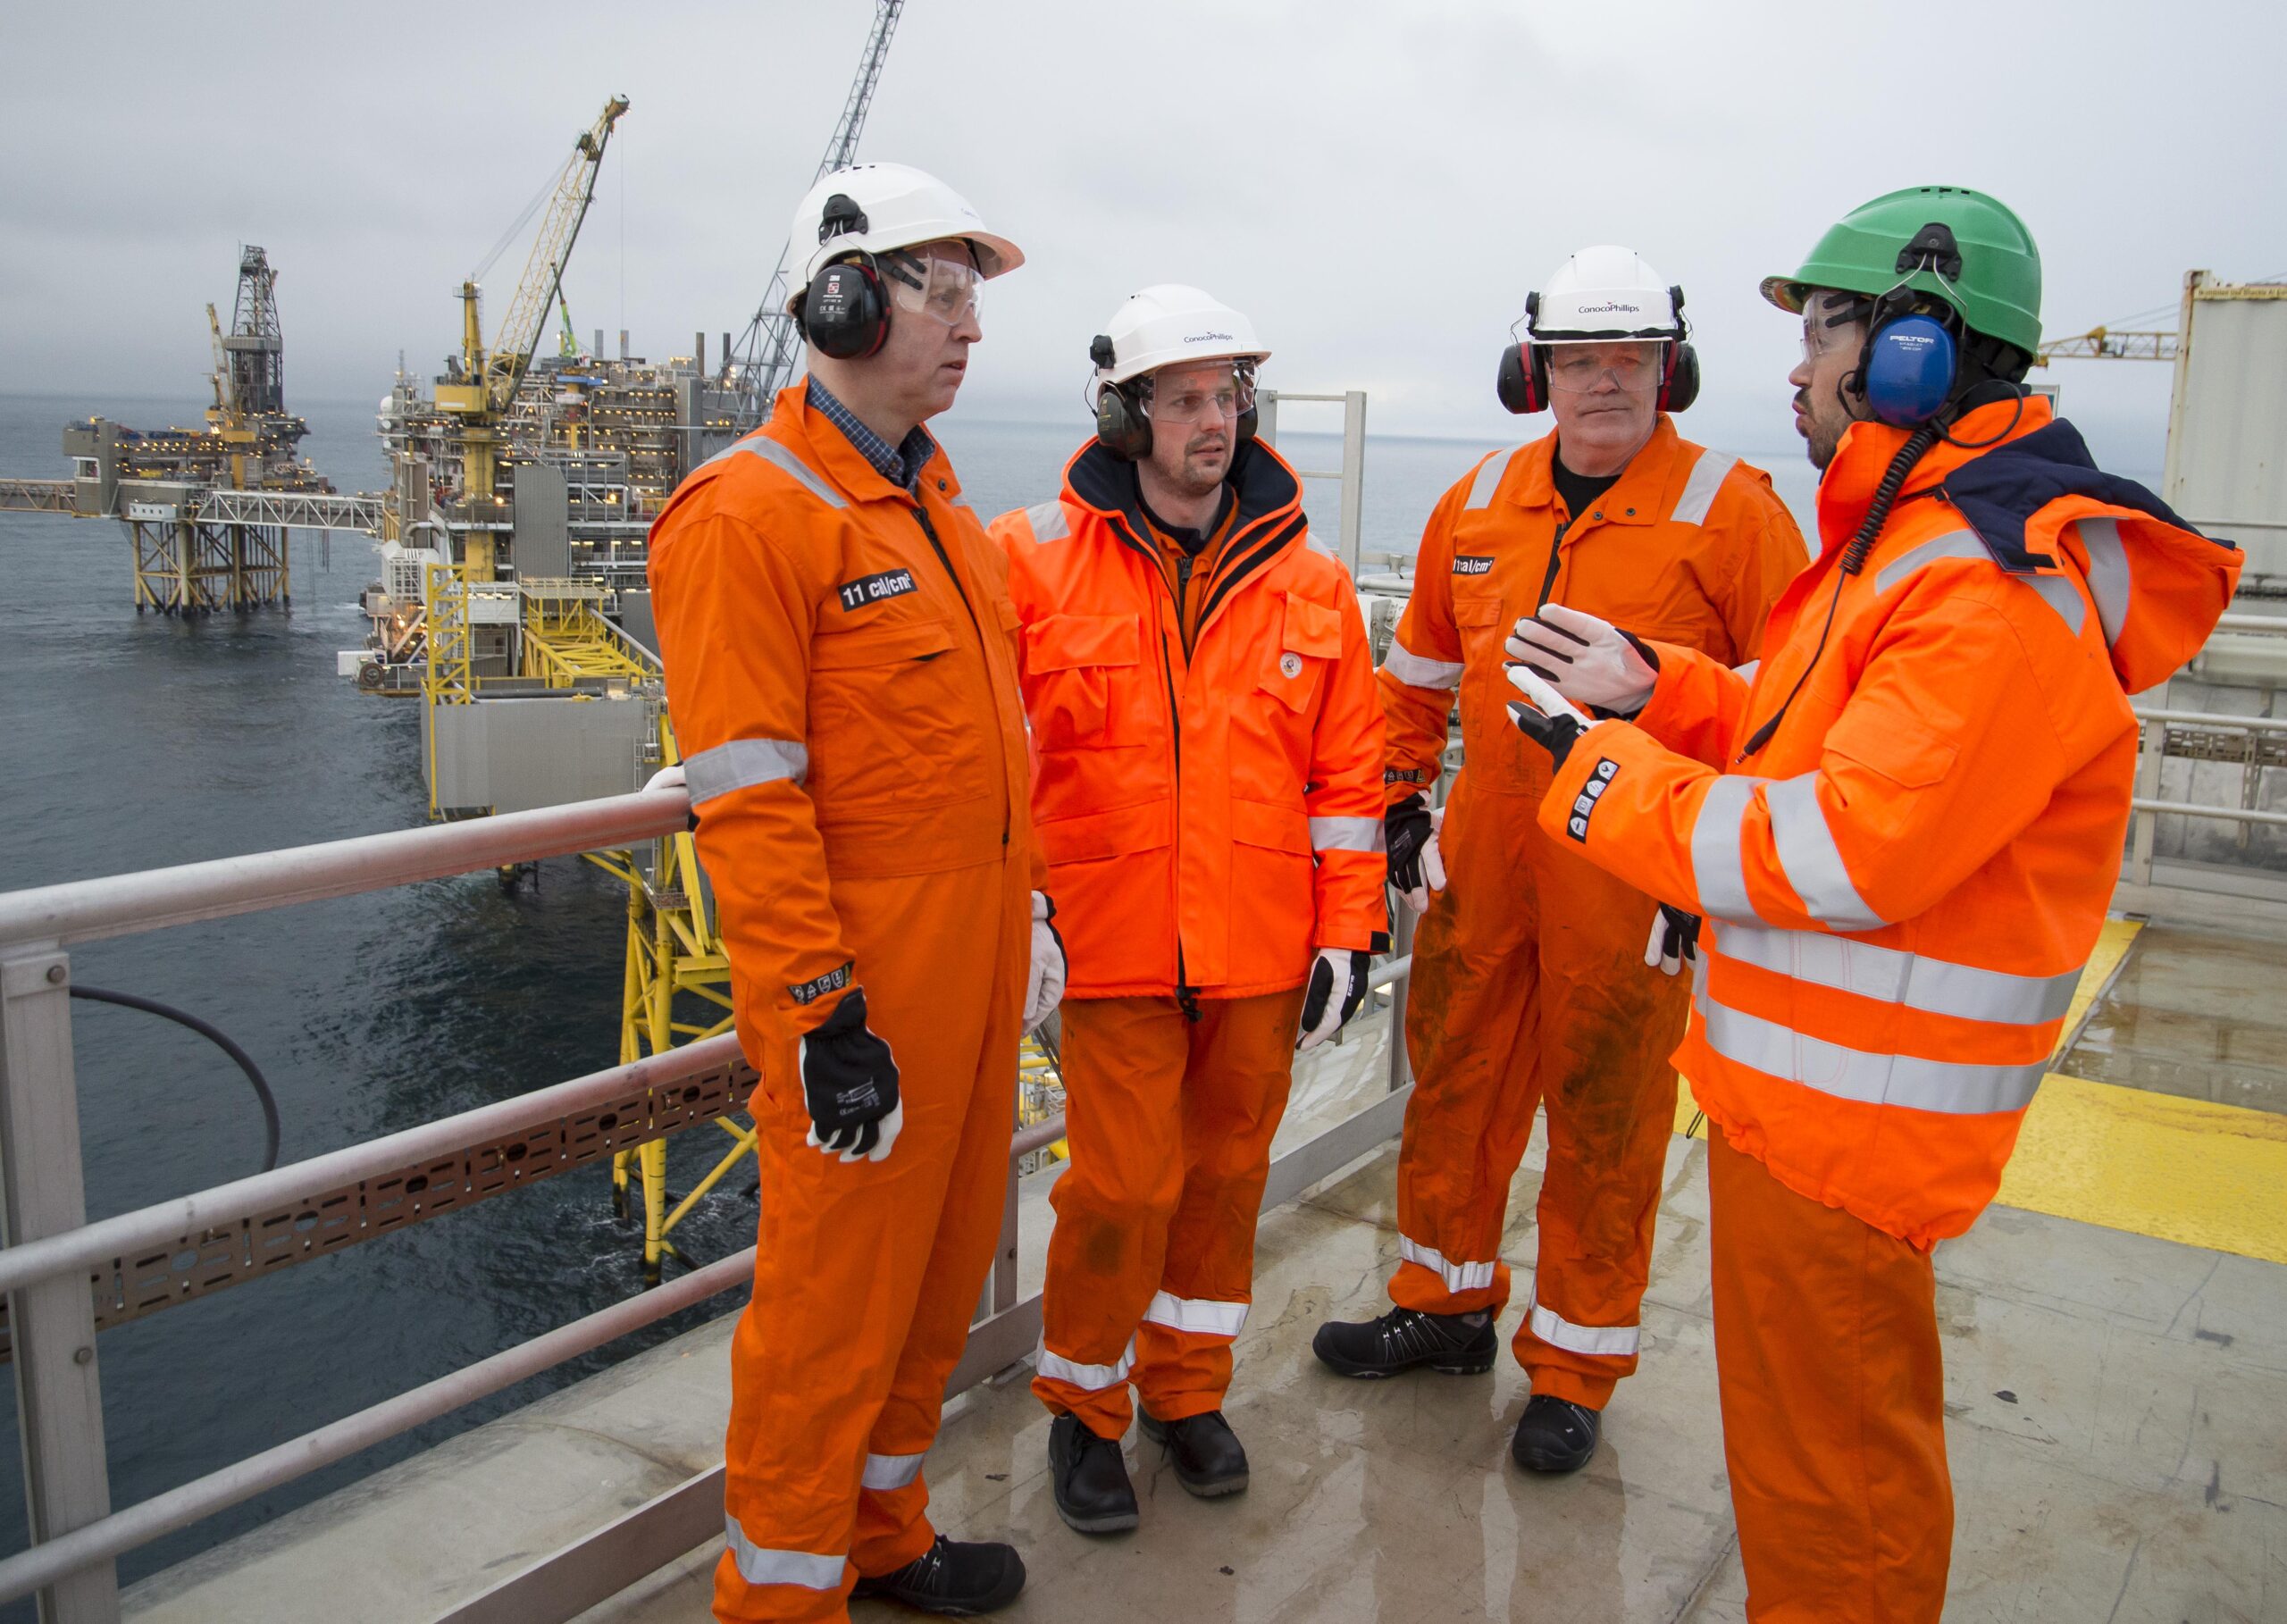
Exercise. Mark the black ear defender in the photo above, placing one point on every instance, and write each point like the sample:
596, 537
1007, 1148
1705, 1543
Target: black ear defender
1522, 382
845, 312
1680, 377
1121, 427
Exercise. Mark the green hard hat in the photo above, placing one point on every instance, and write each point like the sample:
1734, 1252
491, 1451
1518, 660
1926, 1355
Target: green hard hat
1914, 237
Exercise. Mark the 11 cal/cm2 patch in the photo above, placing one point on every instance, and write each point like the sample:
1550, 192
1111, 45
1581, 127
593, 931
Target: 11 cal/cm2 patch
873, 589
1591, 797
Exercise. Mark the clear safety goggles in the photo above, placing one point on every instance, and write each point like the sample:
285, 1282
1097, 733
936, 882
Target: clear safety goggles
944, 289
1201, 400
1579, 365
1831, 322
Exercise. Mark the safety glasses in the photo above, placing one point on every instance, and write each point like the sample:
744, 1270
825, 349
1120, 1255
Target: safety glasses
1578, 366
1831, 322
1201, 400
945, 291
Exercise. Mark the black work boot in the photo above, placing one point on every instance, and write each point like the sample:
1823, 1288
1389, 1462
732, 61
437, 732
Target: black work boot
1208, 1457
1093, 1493
1458, 1344
1556, 1435
954, 1578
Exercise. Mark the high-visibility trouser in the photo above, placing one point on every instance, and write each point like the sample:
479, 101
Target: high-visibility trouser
1529, 987
1150, 1267
867, 1274
1833, 1395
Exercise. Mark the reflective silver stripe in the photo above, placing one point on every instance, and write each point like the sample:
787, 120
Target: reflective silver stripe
1488, 479
1708, 476
1090, 1378
2059, 593
1201, 1316
1718, 870
1932, 986
743, 763
1597, 1341
811, 479
2110, 580
1813, 862
891, 1471
1415, 672
1872, 1079
761, 1565
1953, 544
1746, 673
1048, 522
1457, 1276
1346, 834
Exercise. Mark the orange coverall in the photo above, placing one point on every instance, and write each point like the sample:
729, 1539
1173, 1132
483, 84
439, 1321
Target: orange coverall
1211, 809
1528, 979
842, 676
1900, 886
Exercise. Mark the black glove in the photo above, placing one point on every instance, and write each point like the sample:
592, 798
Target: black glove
1417, 868
1550, 720
850, 1085
1322, 1016
1675, 939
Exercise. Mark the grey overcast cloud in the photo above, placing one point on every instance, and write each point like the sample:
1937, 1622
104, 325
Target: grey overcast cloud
1377, 185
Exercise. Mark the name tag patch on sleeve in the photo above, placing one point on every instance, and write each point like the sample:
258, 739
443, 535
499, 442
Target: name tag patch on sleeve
873, 589
1472, 563
1591, 796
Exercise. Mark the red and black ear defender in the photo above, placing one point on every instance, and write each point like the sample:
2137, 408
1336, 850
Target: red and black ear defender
845, 311
1523, 382
1123, 428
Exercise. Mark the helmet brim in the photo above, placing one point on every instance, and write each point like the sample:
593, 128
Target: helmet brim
1786, 292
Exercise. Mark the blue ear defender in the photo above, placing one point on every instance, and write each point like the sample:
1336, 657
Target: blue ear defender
1909, 372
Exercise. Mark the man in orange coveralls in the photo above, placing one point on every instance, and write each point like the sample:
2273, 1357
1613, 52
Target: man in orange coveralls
1904, 832
1529, 980
836, 630
1208, 796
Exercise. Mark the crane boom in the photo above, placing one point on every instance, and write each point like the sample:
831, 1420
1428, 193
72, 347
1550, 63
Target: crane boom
765, 354
2106, 344
512, 347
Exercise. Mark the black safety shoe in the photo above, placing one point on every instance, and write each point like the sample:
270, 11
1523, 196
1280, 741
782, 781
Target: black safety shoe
1555, 1435
954, 1578
1208, 1457
1458, 1344
1093, 1493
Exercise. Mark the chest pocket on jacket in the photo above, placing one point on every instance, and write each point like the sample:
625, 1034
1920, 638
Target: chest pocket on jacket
886, 716
1478, 621
1309, 637
1078, 670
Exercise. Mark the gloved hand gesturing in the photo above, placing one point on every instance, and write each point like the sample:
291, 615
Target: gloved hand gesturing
850, 1083
1550, 721
1417, 866
1045, 987
1337, 987
1588, 660
1675, 939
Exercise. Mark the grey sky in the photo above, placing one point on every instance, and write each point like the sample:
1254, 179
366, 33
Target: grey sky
1377, 185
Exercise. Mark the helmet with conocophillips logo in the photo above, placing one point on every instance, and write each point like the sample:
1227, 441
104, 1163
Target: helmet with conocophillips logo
885, 206
1605, 294
1168, 324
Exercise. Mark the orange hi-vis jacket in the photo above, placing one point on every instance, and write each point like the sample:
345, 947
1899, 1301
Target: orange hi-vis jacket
1688, 546
861, 718
1902, 884
1212, 816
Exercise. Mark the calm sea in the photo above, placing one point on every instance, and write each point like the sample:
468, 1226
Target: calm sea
145, 740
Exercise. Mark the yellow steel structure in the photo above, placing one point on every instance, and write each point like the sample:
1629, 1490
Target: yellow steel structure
450, 676
567, 638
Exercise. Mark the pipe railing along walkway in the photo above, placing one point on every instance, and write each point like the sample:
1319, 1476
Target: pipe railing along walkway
52, 1253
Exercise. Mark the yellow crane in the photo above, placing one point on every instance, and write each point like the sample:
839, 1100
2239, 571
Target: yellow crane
487, 380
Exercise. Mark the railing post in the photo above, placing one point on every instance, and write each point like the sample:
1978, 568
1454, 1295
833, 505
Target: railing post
59, 1402
1353, 477
1265, 416
2151, 756
1401, 943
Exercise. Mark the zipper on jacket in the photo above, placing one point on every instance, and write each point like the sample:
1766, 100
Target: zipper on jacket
983, 652
1555, 555
1186, 995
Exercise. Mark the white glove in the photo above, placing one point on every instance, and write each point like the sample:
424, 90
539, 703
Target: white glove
1590, 661
1045, 987
1424, 866
1336, 988
666, 778
1674, 942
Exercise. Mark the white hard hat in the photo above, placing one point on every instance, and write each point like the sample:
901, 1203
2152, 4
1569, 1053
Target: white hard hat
890, 205
1604, 292
1169, 323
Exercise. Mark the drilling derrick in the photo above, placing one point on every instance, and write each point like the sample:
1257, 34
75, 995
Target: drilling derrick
758, 366
254, 350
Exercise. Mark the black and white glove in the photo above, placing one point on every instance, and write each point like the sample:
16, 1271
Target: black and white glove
850, 1085
1324, 1013
1417, 866
1675, 939
1550, 721
1045, 988
1588, 660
